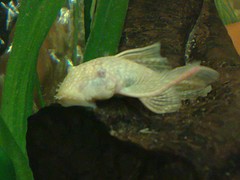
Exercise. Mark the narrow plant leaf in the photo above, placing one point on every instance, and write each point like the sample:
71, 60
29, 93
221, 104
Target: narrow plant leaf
78, 31
87, 17
107, 28
10, 147
34, 22
226, 12
75, 33
7, 170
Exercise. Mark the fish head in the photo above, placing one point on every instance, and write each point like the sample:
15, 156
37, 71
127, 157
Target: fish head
69, 92
85, 84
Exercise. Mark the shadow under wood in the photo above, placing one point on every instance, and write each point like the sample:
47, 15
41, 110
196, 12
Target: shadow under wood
71, 143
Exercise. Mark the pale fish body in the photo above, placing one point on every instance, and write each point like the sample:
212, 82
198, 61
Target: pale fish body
141, 73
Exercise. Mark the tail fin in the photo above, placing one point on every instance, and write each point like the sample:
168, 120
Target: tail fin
187, 82
196, 83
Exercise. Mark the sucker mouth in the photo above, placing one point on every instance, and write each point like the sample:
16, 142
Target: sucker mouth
62, 101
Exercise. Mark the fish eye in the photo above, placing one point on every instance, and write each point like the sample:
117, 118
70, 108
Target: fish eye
101, 73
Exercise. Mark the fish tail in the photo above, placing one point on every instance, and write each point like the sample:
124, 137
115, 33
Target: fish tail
197, 81
187, 82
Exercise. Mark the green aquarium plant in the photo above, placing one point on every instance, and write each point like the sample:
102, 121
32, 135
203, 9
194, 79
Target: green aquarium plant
106, 29
13, 162
226, 11
7, 170
34, 21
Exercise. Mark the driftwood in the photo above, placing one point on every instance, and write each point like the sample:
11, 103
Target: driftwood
124, 140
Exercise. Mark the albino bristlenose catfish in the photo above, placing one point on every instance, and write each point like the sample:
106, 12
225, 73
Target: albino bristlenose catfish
140, 73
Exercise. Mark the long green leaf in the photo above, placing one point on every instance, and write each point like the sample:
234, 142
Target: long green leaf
107, 28
7, 170
226, 11
87, 17
11, 148
34, 22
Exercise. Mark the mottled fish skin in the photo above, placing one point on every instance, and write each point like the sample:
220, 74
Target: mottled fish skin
141, 73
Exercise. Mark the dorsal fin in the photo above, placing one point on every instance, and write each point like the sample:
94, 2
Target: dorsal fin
148, 56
